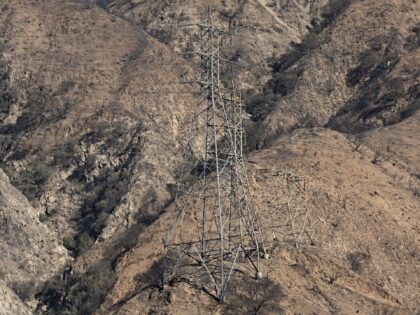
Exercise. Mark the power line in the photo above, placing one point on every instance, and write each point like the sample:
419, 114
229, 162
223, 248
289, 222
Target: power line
138, 93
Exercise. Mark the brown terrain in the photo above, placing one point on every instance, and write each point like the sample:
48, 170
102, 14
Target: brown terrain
94, 121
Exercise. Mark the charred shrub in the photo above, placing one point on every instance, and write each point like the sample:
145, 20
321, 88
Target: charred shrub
162, 35
80, 173
414, 106
368, 60
413, 40
42, 106
377, 61
250, 296
31, 180
259, 106
33, 110
7, 94
332, 11
358, 261
154, 277
103, 3
286, 69
6, 143
380, 99
283, 84
102, 195
77, 293
64, 154
25, 290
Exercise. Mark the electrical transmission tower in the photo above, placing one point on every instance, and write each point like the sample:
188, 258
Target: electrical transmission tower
288, 220
226, 236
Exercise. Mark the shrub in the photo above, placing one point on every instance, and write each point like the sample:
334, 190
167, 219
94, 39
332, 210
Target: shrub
154, 277
103, 195
250, 296
2, 274
357, 261
84, 242
43, 217
64, 153
33, 111
31, 180
25, 290
332, 11
93, 287
413, 40
260, 106
7, 94
368, 60
69, 243
284, 83
79, 293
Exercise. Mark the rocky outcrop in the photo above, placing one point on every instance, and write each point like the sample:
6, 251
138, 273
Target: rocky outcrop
10, 303
30, 252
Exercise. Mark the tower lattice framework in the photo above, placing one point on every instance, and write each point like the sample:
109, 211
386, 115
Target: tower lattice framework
227, 236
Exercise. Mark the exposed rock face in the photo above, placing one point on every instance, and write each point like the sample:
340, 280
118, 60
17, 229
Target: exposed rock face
10, 303
29, 249
30, 252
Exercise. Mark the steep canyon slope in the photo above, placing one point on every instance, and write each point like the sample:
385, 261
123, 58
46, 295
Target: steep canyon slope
94, 119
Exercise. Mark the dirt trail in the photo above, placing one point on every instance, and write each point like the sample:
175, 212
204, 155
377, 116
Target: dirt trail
304, 9
265, 4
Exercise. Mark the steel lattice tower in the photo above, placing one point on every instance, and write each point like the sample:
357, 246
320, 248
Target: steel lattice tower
228, 236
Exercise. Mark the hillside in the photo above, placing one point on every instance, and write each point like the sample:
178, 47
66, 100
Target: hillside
370, 272
83, 112
262, 29
94, 119
357, 72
